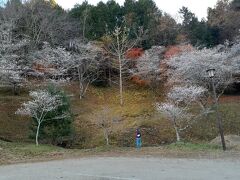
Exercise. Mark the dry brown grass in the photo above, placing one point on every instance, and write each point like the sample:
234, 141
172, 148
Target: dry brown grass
12, 127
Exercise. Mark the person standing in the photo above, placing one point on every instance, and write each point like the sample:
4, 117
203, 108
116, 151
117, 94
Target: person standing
138, 139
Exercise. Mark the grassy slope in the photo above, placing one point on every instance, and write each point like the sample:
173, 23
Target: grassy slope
138, 111
12, 127
23, 152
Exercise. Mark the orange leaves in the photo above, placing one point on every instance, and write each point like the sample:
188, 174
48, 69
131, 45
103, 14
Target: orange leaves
134, 53
42, 68
137, 80
175, 50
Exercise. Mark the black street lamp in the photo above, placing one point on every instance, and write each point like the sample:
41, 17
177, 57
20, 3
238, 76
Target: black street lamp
211, 74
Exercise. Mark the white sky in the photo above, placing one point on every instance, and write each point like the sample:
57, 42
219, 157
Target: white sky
199, 7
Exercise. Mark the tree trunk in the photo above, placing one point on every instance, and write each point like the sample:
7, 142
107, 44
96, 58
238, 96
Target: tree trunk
106, 137
109, 77
80, 93
119, 52
120, 80
37, 134
84, 26
15, 89
85, 15
177, 133
80, 84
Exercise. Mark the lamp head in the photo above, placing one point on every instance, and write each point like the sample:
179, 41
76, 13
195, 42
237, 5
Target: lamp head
211, 72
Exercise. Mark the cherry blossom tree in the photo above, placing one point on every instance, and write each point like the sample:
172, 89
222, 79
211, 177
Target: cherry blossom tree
11, 56
81, 63
234, 56
85, 64
178, 106
148, 65
42, 102
10, 74
175, 114
52, 59
191, 67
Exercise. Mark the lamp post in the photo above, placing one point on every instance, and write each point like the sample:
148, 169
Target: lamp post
211, 74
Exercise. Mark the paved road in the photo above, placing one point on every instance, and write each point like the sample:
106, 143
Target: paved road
112, 168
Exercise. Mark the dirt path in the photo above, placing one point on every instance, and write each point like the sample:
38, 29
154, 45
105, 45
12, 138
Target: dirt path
125, 168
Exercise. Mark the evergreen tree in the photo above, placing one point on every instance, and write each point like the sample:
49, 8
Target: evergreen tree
225, 18
235, 5
198, 32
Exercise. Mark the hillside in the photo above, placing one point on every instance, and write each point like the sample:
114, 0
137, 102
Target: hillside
138, 111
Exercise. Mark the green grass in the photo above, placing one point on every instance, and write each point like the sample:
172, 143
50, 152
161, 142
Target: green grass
186, 146
28, 149
33, 150
24, 152
205, 129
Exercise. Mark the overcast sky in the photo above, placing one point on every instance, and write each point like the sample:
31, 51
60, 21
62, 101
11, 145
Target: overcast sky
199, 7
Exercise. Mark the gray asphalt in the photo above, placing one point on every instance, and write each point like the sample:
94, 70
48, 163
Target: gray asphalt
114, 168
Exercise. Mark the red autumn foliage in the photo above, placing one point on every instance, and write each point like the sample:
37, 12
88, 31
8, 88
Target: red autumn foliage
229, 99
175, 50
138, 81
134, 53
41, 68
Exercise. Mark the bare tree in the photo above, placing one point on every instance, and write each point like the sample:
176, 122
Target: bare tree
42, 102
44, 21
118, 44
12, 10
105, 122
84, 21
38, 19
